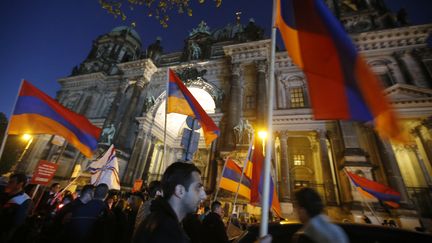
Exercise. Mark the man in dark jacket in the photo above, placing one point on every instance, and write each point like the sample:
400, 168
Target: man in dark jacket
60, 228
88, 222
16, 207
182, 193
214, 228
49, 201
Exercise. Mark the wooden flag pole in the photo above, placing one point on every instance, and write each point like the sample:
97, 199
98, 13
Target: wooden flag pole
265, 197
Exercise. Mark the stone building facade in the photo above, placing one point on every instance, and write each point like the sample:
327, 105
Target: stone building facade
120, 84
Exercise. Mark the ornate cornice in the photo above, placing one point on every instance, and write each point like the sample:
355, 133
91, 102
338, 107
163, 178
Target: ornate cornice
402, 37
247, 52
144, 67
82, 80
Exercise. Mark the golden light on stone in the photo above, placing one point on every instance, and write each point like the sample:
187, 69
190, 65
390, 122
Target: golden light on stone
262, 135
26, 137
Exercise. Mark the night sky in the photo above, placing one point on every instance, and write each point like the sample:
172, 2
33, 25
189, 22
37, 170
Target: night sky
42, 40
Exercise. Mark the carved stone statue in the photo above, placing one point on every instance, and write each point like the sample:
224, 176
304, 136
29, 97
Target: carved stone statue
252, 32
238, 131
243, 132
248, 130
202, 28
154, 51
108, 134
148, 103
194, 51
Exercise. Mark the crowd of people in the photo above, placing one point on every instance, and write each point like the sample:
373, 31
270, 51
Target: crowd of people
166, 211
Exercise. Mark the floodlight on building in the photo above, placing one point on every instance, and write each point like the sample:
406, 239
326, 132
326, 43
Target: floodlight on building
26, 137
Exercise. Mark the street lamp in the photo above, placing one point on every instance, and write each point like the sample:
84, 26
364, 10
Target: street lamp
26, 137
263, 135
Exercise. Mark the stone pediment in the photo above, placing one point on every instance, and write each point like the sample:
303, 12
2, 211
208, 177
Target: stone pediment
406, 92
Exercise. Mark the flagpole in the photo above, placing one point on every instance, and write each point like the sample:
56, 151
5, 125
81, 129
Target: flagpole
270, 93
217, 188
166, 116
5, 135
241, 176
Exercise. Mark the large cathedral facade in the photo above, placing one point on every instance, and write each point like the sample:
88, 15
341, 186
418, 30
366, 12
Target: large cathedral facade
121, 88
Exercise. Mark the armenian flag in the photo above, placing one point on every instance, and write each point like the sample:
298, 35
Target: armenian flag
257, 181
372, 189
37, 113
180, 100
231, 178
341, 85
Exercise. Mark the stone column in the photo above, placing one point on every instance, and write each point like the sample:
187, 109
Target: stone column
131, 167
392, 170
98, 108
148, 160
143, 155
122, 135
84, 104
115, 105
421, 133
235, 105
329, 185
261, 94
420, 160
285, 168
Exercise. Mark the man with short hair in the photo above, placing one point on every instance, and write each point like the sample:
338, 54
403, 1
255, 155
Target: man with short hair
183, 191
316, 226
84, 218
49, 201
16, 207
61, 228
214, 228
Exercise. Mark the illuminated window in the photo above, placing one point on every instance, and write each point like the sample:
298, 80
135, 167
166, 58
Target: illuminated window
297, 97
299, 159
250, 102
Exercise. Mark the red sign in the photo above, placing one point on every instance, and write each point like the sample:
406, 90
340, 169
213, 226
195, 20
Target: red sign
44, 173
137, 185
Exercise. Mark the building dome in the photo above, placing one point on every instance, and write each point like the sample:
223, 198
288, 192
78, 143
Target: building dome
128, 29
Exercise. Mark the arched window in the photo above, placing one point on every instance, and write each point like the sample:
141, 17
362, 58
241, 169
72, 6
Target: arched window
295, 92
297, 97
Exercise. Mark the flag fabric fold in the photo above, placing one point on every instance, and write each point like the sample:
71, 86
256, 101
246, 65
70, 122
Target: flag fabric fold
180, 100
231, 177
372, 189
37, 113
341, 85
105, 170
257, 181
